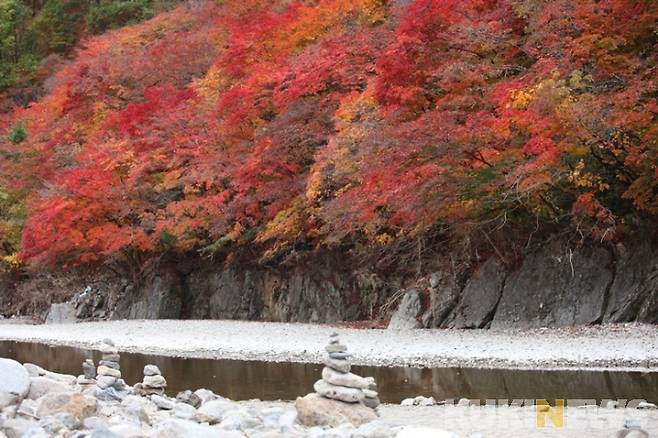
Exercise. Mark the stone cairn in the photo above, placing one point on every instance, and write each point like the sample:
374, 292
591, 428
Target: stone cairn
88, 376
338, 383
109, 384
153, 383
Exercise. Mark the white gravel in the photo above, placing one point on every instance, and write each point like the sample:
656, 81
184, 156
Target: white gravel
518, 422
630, 346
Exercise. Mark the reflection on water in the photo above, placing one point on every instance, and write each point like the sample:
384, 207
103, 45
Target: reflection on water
241, 380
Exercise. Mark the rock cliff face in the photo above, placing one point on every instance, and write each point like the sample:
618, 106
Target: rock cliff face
553, 286
310, 292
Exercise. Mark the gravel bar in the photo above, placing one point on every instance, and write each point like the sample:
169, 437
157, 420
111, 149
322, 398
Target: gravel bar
619, 347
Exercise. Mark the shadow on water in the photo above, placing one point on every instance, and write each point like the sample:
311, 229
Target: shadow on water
241, 380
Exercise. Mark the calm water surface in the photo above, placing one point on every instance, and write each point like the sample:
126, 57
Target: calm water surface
242, 380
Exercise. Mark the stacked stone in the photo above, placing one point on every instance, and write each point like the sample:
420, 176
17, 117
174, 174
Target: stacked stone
153, 383
109, 384
338, 383
88, 376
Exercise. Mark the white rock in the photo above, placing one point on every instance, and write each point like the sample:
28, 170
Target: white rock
407, 402
27, 408
424, 401
125, 430
40, 386
94, 423
288, 419
107, 371
646, 405
184, 411
340, 365
238, 419
464, 402
175, 428
369, 393
36, 432
152, 370
34, 370
162, 402
376, 429
14, 378
424, 432
68, 420
105, 382
342, 393
213, 411
154, 382
205, 395
17, 427
7, 399
344, 379
67, 379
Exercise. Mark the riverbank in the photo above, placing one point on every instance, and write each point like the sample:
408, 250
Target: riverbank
45, 404
619, 347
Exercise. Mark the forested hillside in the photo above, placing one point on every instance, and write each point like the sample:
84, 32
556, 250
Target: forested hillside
280, 125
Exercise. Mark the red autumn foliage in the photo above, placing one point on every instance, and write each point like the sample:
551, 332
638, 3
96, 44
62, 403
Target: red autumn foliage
293, 122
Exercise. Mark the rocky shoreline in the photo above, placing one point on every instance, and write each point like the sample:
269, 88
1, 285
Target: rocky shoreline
36, 403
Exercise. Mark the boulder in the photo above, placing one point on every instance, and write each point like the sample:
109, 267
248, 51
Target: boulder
213, 411
480, 297
14, 378
176, 428
555, 288
67, 379
34, 370
17, 427
61, 313
7, 399
314, 410
40, 386
444, 292
405, 317
341, 393
78, 405
344, 379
